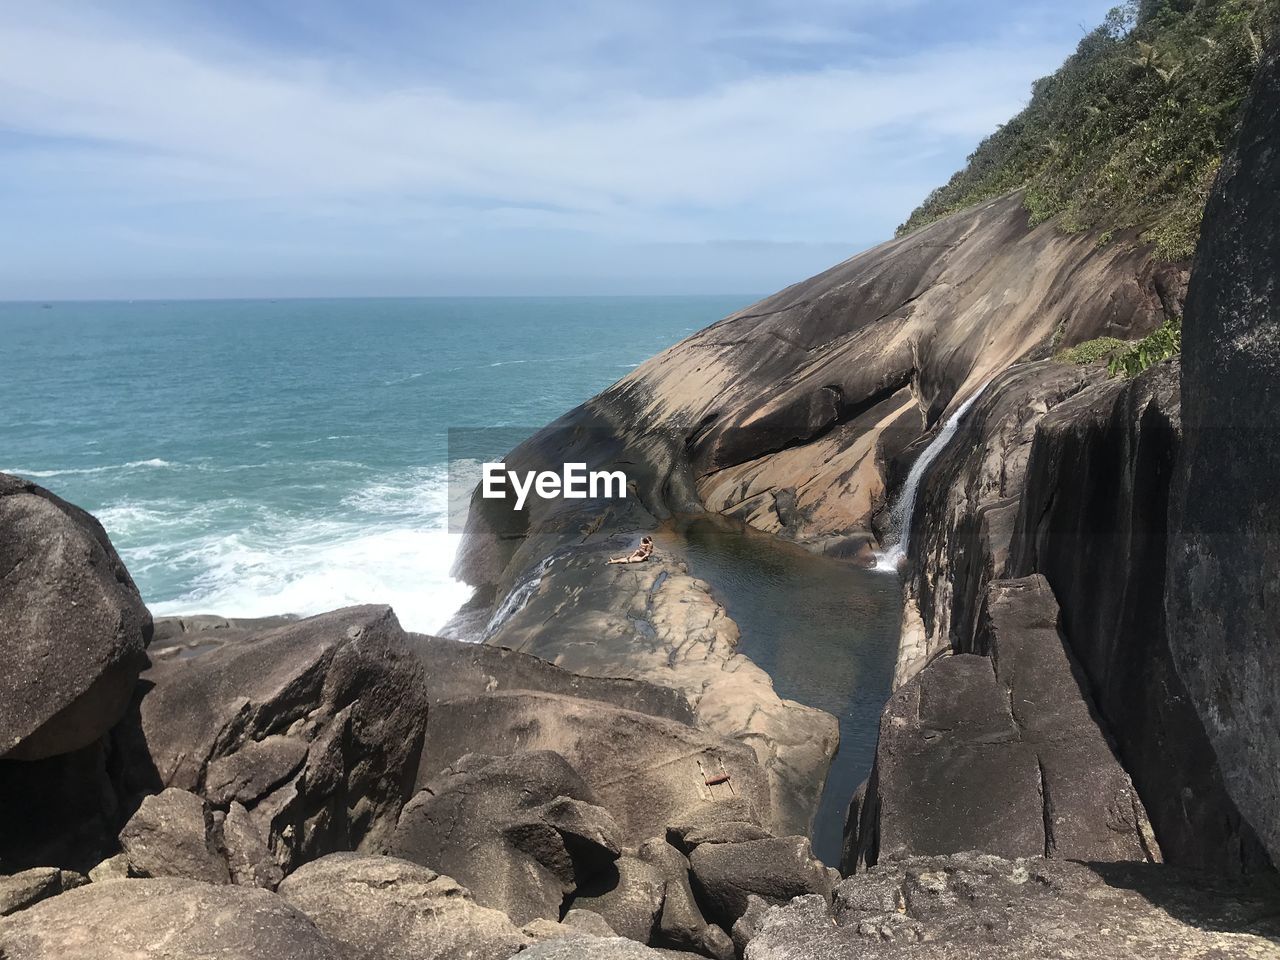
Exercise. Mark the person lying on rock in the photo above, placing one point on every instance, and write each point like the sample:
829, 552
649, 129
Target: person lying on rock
639, 554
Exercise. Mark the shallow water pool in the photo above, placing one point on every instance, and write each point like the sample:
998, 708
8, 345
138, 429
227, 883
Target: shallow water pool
827, 632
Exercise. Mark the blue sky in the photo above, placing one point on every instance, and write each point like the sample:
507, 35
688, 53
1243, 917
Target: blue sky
390, 147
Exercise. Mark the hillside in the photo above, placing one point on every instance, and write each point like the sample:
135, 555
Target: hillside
1128, 134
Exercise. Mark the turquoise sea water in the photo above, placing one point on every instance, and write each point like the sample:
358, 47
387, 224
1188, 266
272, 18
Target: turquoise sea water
260, 457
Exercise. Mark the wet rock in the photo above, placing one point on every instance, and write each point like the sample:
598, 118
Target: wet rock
1224, 548
172, 835
315, 726
521, 832
127, 919
726, 874
76, 629
642, 769
382, 908
22, 890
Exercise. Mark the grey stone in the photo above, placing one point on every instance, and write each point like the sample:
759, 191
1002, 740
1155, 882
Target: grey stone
382, 908
176, 919
726, 874
253, 771
249, 860
521, 832
681, 924
76, 629
22, 890
629, 898
172, 835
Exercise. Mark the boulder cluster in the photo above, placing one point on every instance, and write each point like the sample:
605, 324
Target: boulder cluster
337, 787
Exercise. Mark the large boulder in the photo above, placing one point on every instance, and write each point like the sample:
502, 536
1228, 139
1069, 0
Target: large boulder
75, 629
1000, 752
977, 905
381, 908
172, 835
681, 924
315, 727
521, 832
174, 919
1224, 548
629, 895
29, 887
725, 875
644, 769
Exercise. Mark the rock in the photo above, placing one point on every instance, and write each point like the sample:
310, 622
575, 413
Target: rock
22, 890
681, 924
592, 948
629, 898
642, 769
249, 860
726, 874
974, 905
748, 925
112, 868
587, 922
255, 770
172, 835
520, 832
178, 919
381, 908
1224, 545
1000, 753
76, 629
457, 669
730, 820
315, 727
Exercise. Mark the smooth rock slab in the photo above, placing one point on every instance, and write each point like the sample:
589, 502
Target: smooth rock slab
382, 908
170, 919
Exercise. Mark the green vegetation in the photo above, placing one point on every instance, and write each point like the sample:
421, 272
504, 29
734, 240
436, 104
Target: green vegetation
1160, 344
1128, 134
1127, 358
1091, 351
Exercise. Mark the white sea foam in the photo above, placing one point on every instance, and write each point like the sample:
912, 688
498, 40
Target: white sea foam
154, 462
387, 543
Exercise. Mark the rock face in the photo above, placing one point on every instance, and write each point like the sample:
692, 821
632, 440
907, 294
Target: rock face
521, 832
974, 905
1000, 752
643, 769
182, 919
1224, 551
75, 627
172, 835
315, 727
381, 908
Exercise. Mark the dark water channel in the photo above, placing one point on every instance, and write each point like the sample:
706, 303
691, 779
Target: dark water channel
825, 631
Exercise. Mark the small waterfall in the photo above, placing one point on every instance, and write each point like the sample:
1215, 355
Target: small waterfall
516, 599
900, 516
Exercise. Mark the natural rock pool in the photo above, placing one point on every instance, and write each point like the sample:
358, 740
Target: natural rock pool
827, 632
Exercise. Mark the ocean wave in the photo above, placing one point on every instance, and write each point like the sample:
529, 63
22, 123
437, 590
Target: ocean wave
153, 463
322, 569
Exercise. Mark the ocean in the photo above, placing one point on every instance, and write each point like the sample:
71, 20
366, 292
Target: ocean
254, 457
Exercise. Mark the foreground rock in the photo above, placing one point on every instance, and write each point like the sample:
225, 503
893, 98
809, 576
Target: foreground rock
177, 919
972, 905
381, 908
644, 769
75, 628
314, 727
775, 870
1224, 550
521, 832
172, 835
1000, 752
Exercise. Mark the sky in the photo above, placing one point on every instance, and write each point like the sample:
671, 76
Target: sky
280, 148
